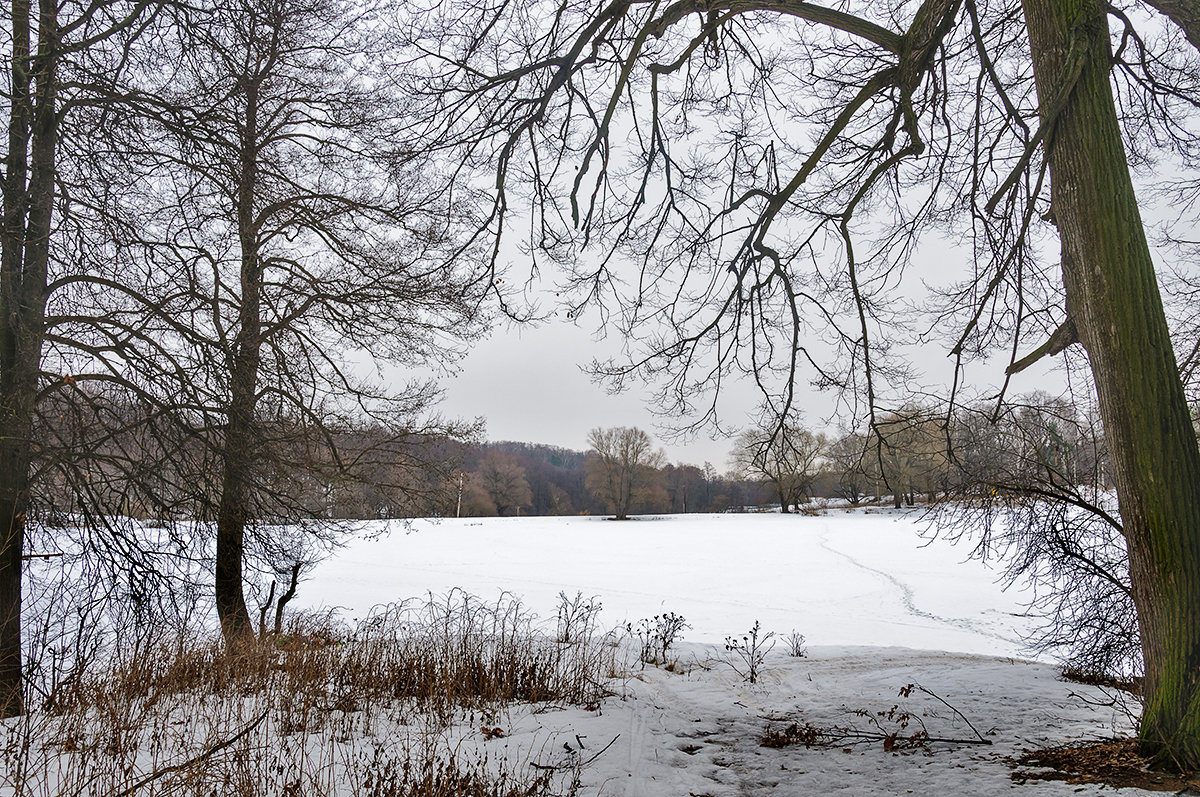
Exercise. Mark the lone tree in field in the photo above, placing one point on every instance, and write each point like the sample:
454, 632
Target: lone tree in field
756, 176
784, 456
622, 467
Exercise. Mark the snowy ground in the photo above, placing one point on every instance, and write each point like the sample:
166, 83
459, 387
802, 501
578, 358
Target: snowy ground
698, 733
861, 577
881, 608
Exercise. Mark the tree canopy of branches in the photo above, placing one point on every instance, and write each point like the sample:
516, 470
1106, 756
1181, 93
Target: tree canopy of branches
1038, 475
908, 453
621, 467
209, 238
60, 59
761, 172
783, 455
300, 238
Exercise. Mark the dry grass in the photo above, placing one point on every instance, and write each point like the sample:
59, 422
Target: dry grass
384, 709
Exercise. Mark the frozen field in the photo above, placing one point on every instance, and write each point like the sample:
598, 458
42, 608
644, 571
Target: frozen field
905, 635
881, 606
845, 578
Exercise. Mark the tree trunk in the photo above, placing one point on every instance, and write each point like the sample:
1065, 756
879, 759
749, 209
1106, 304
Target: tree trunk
1113, 298
232, 514
239, 444
24, 258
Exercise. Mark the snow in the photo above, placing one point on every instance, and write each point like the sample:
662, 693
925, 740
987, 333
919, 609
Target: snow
882, 607
699, 733
857, 577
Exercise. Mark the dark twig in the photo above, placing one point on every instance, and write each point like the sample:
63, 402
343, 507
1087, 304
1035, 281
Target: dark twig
974, 730
209, 753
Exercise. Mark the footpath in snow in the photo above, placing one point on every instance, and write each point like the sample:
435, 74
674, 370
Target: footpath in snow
859, 577
882, 608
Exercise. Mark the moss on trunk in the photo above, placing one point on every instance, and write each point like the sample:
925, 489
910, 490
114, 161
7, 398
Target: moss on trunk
1112, 296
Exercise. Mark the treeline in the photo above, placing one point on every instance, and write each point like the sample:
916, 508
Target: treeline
919, 453
924, 453
509, 478
359, 470
106, 449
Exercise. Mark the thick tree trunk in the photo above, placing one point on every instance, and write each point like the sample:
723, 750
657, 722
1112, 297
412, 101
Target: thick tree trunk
1113, 298
12, 527
624, 492
239, 444
1184, 13
232, 514
24, 257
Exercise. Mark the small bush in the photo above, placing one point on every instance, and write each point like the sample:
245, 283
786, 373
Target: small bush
656, 636
576, 617
795, 644
751, 650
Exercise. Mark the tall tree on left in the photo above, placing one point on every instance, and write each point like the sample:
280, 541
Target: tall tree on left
306, 242
43, 44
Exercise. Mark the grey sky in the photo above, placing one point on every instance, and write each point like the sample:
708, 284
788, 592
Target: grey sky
528, 383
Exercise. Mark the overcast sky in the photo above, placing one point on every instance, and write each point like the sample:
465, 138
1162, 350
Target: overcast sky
529, 385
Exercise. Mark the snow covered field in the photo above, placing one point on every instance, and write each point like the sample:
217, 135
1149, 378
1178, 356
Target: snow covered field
882, 609
857, 577
914, 682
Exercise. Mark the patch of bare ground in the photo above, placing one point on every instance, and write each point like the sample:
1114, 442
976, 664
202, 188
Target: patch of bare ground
1112, 762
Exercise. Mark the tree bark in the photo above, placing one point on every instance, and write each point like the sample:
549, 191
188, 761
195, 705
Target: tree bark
24, 258
1113, 297
1184, 13
239, 447
232, 514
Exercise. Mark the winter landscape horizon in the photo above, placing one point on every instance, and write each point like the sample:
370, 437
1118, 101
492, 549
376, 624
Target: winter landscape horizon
917, 283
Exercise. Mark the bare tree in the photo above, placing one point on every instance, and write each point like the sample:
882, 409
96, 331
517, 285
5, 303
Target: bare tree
909, 446
301, 239
503, 480
784, 456
831, 138
847, 454
622, 467
60, 59
1034, 478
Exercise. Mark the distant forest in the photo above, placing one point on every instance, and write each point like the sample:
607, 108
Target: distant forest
555, 479
139, 469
